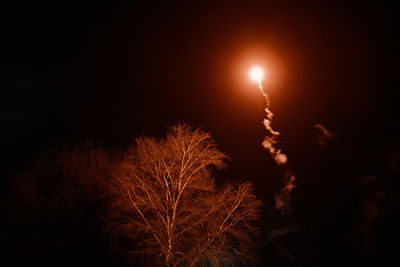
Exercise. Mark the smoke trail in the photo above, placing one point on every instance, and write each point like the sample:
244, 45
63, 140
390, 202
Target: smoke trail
324, 134
283, 198
270, 140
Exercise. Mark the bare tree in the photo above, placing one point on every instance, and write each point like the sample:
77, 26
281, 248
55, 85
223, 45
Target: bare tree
67, 180
167, 203
56, 204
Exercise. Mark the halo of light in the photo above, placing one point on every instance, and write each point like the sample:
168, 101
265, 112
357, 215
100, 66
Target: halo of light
256, 74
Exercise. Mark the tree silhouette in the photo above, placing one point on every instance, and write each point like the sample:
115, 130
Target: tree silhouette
166, 202
55, 205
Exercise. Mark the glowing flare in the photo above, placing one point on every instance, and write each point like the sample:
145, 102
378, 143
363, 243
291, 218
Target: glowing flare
283, 198
257, 74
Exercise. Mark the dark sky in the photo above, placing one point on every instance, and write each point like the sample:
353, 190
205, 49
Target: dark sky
72, 70
112, 71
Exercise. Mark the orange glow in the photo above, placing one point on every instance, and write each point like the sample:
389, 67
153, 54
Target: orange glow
257, 74
244, 59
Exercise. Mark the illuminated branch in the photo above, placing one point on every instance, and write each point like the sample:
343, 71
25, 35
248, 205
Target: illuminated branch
172, 192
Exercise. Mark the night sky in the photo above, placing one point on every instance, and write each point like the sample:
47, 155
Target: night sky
77, 70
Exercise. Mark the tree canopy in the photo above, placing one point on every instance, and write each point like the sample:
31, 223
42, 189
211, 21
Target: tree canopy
167, 202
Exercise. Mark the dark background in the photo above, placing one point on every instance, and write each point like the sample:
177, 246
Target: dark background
73, 70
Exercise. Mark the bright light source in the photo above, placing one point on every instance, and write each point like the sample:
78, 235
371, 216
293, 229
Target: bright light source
256, 74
